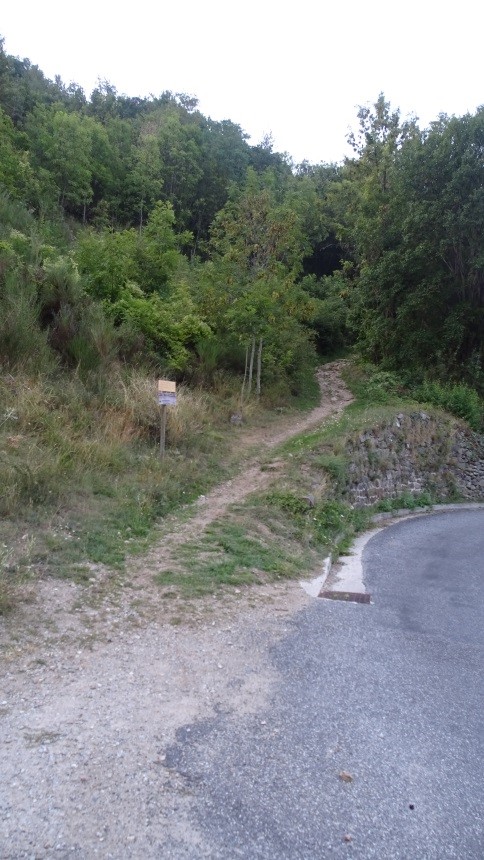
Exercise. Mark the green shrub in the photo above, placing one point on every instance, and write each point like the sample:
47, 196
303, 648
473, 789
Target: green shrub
459, 400
288, 502
22, 342
13, 214
371, 385
382, 385
335, 465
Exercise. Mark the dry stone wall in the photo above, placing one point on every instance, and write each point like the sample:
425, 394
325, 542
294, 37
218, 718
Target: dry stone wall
415, 453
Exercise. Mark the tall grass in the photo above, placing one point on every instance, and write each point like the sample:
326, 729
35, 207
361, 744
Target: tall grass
22, 342
56, 437
80, 470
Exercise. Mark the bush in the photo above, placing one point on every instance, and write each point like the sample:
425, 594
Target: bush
22, 342
382, 385
372, 385
459, 400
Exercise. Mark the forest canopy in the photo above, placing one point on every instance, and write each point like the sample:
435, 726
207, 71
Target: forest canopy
139, 230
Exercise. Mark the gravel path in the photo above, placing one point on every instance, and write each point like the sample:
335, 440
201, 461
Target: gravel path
95, 684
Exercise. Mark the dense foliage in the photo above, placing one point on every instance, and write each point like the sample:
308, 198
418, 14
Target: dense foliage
415, 224
139, 230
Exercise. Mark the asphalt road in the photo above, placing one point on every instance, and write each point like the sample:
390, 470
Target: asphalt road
372, 745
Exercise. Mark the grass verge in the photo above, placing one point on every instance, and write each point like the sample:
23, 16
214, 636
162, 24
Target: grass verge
82, 480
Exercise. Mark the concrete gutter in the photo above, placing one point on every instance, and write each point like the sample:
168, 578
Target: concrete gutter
344, 576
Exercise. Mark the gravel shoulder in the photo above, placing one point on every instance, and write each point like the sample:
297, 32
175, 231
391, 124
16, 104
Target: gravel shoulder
84, 732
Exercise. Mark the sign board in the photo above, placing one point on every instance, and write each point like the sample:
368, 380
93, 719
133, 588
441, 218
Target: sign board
166, 392
167, 398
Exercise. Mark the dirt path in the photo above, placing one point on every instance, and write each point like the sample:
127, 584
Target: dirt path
334, 397
93, 692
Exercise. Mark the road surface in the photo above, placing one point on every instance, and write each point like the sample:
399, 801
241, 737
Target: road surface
371, 746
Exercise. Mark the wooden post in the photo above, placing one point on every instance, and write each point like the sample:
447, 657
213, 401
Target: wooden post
166, 397
162, 431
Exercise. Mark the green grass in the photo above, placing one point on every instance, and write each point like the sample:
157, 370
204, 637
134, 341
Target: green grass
323, 525
371, 385
230, 554
306, 393
407, 501
84, 485
272, 537
112, 515
286, 531
81, 474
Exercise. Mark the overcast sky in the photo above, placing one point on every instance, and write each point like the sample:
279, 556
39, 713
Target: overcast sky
298, 70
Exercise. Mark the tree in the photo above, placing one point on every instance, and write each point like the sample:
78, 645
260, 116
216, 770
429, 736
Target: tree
146, 176
170, 326
62, 142
257, 229
381, 133
419, 293
107, 261
158, 255
224, 160
258, 247
16, 174
23, 87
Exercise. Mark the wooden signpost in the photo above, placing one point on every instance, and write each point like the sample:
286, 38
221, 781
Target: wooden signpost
166, 397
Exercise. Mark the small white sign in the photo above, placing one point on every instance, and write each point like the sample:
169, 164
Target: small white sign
167, 398
166, 392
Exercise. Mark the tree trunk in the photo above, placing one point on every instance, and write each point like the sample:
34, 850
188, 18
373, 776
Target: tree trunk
251, 365
195, 243
259, 365
245, 374
141, 217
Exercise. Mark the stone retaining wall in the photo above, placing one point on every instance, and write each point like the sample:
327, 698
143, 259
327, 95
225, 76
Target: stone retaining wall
415, 453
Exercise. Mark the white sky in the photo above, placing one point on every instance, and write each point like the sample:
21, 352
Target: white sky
297, 70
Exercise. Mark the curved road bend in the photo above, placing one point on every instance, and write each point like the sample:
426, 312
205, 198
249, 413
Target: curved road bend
372, 745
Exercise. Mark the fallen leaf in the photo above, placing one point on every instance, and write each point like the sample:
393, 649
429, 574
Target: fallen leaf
345, 776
